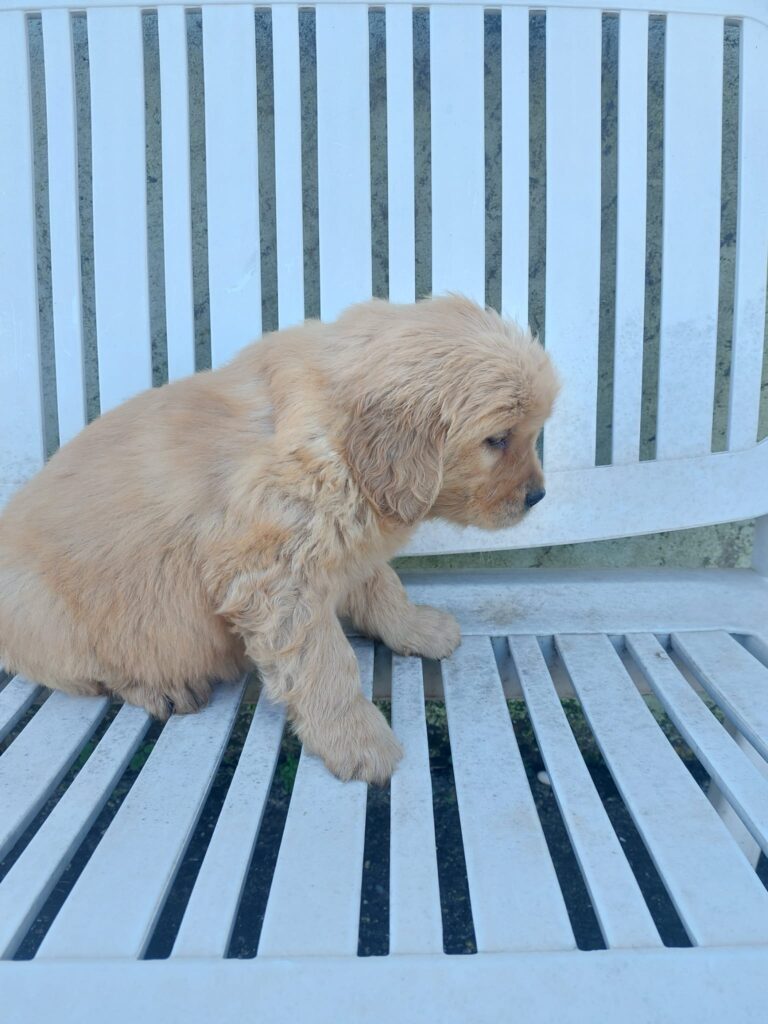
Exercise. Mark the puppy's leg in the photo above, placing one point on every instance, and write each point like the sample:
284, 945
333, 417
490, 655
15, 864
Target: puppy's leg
380, 607
307, 663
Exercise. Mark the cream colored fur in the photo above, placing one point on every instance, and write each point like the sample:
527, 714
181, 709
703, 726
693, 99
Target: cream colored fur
227, 519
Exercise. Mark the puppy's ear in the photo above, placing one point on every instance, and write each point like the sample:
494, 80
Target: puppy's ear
396, 459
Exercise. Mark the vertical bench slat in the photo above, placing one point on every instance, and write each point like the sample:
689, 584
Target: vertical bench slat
732, 677
500, 828
116, 55
573, 231
16, 697
400, 154
515, 186
177, 217
31, 879
33, 765
751, 238
288, 184
693, 90
457, 60
343, 156
625, 920
133, 867
210, 915
21, 422
314, 900
232, 173
715, 891
734, 773
64, 219
415, 920
630, 235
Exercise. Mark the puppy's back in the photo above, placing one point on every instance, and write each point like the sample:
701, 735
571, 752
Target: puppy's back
101, 547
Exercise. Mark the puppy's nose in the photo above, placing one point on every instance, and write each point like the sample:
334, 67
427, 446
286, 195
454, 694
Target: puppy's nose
534, 497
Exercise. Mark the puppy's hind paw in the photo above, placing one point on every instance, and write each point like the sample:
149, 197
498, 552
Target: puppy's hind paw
429, 633
161, 703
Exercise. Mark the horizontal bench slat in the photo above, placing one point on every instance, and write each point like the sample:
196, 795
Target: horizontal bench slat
618, 903
502, 835
16, 697
732, 677
415, 922
666, 986
736, 776
133, 867
29, 882
210, 915
34, 764
717, 895
314, 902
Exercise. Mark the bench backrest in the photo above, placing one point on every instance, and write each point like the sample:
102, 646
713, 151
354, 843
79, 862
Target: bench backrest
438, 198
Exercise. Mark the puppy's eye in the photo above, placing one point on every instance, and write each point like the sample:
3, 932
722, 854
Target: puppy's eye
497, 442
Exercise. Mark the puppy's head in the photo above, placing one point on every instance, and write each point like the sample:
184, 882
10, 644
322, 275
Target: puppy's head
450, 402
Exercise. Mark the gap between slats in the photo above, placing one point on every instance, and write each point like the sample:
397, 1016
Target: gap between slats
401, 205
61, 121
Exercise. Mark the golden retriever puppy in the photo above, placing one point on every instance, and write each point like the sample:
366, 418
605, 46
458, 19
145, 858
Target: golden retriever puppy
226, 520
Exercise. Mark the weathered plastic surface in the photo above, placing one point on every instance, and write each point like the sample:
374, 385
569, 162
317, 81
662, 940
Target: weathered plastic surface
596, 635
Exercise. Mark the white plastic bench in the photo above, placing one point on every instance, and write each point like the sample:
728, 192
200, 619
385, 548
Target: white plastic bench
602, 635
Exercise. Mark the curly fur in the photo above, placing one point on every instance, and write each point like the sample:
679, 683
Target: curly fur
226, 519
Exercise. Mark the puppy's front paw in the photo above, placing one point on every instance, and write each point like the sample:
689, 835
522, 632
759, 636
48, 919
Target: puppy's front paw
428, 633
357, 745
